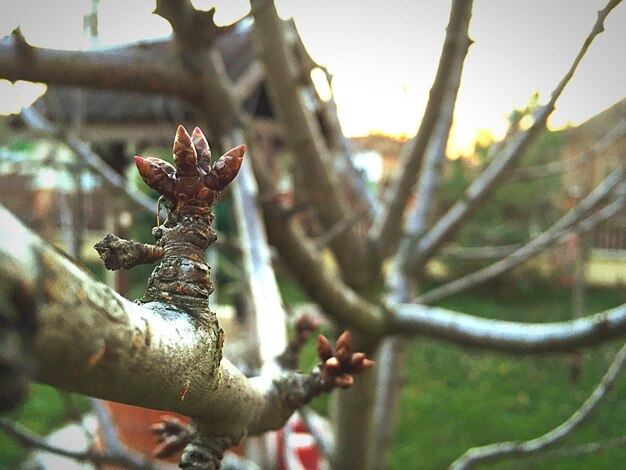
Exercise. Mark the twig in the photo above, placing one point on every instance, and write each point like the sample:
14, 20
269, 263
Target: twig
522, 448
319, 430
575, 451
560, 166
479, 252
513, 337
29, 439
339, 228
269, 314
387, 226
536, 245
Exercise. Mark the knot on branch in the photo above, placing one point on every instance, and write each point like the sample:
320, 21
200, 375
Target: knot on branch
204, 451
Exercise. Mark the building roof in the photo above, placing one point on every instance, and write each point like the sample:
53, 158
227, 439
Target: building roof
60, 103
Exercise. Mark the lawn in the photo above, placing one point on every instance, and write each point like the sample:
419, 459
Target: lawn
456, 398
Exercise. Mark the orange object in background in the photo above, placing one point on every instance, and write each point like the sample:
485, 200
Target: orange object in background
133, 427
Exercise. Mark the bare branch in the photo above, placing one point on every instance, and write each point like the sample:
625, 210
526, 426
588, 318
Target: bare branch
92, 160
264, 293
523, 448
26, 438
506, 336
115, 69
575, 451
319, 179
92, 341
560, 166
386, 230
321, 283
551, 236
482, 187
479, 252
249, 81
318, 428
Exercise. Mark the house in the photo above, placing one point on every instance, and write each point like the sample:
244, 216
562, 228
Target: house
591, 151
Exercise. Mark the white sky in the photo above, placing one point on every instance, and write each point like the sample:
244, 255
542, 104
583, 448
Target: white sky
384, 54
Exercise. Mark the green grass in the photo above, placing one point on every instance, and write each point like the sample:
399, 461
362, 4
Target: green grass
45, 410
457, 398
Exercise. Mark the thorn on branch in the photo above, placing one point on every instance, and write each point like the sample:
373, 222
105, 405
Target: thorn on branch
337, 368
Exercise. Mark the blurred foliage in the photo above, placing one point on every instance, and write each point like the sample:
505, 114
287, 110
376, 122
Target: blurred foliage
518, 209
45, 410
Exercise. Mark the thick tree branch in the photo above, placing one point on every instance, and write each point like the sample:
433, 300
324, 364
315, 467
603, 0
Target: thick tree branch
265, 296
522, 448
92, 341
317, 174
386, 230
507, 336
112, 69
319, 281
482, 187
559, 231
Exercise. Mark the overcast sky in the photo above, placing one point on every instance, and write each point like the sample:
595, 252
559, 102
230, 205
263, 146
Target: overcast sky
384, 54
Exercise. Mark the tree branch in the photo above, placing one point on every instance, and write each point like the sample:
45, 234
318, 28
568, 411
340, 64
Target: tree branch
92, 341
551, 236
522, 448
445, 228
319, 179
507, 336
264, 293
116, 69
319, 281
574, 451
386, 229
566, 165
126, 459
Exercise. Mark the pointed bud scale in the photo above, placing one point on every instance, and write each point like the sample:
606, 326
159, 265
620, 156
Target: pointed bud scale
168, 168
344, 381
356, 361
344, 340
203, 151
332, 365
185, 154
155, 176
225, 168
343, 354
324, 350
